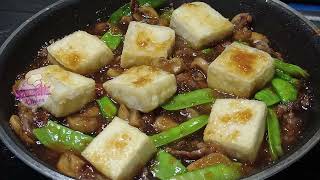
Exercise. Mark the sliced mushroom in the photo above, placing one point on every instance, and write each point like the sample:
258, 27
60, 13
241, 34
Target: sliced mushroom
123, 112
16, 125
70, 164
86, 122
209, 160
135, 118
189, 112
163, 123
201, 63
146, 14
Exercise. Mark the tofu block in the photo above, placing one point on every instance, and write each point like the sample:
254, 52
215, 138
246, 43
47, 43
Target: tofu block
68, 92
238, 125
200, 24
120, 151
80, 52
145, 44
142, 88
240, 70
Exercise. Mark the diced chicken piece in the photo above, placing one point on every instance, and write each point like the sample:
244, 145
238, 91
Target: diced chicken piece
240, 70
142, 88
67, 92
80, 52
146, 44
238, 125
120, 151
200, 24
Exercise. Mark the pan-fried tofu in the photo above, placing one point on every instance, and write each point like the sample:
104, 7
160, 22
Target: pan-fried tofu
200, 24
240, 70
238, 125
68, 91
146, 44
142, 88
80, 52
120, 151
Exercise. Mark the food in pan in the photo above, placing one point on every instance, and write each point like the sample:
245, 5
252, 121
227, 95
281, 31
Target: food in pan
155, 92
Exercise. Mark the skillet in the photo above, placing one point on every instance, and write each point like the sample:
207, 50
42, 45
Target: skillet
285, 28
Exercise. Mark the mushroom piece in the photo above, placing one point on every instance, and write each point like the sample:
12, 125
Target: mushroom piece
163, 123
135, 118
16, 125
86, 122
174, 65
209, 160
123, 112
201, 63
70, 164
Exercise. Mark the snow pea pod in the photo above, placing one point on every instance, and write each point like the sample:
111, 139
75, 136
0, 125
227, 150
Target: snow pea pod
286, 91
56, 136
189, 99
274, 138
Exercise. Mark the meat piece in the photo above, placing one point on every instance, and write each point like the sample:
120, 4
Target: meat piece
174, 65
124, 22
147, 15
99, 90
134, 6
100, 28
87, 121
70, 164
148, 123
191, 150
243, 34
209, 160
189, 112
242, 20
190, 81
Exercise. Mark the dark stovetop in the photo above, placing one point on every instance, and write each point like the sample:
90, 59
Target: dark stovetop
14, 12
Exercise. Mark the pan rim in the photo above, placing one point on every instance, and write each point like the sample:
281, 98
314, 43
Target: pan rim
42, 168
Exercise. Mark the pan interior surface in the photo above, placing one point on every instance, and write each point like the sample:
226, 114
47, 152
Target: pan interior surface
292, 35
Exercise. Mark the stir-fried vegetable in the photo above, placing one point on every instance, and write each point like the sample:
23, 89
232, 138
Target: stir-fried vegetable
286, 91
107, 107
274, 138
287, 77
219, 171
112, 40
267, 96
56, 136
207, 51
180, 131
167, 166
290, 69
189, 99
118, 14
152, 3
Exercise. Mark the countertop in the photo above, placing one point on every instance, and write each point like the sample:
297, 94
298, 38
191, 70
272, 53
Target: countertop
12, 14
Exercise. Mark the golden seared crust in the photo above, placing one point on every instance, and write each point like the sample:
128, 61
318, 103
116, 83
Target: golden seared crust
200, 24
80, 52
240, 70
142, 88
120, 150
238, 125
146, 43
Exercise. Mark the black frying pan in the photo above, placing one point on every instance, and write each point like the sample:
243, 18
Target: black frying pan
295, 37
